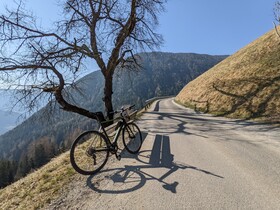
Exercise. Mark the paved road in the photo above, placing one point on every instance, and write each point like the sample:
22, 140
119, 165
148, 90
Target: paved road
193, 161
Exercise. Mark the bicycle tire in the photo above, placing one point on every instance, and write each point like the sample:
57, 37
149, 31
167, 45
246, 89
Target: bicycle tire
132, 138
89, 153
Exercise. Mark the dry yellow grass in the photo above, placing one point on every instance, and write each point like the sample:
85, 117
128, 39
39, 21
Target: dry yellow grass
245, 85
40, 187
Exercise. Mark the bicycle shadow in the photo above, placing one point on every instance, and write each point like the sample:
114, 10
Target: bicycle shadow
132, 177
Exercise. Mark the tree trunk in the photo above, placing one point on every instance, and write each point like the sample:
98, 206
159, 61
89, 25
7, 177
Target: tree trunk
108, 92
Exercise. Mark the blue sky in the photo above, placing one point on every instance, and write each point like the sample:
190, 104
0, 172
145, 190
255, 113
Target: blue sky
200, 26
214, 26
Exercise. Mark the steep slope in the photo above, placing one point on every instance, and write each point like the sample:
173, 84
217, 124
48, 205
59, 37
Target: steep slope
40, 187
245, 85
162, 74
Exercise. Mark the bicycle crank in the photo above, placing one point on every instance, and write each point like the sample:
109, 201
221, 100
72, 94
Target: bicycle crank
119, 157
91, 153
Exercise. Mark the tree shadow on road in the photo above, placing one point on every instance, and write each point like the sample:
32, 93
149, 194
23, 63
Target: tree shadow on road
191, 123
130, 178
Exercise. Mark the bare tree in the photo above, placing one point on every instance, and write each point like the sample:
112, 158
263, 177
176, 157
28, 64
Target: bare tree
108, 32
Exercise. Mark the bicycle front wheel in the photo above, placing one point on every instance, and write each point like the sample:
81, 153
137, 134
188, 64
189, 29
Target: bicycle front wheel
89, 153
132, 138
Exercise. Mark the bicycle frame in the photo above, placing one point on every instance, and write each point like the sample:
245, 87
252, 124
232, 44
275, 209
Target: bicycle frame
113, 144
102, 142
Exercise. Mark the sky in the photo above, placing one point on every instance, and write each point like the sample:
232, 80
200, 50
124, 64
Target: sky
215, 27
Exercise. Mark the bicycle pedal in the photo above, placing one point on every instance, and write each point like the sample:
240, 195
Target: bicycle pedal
119, 157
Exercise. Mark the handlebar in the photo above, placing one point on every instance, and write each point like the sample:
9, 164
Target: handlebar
100, 117
122, 109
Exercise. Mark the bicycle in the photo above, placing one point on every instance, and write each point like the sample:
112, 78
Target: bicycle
90, 151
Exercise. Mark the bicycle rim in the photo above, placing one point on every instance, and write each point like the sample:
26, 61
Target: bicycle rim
132, 138
89, 153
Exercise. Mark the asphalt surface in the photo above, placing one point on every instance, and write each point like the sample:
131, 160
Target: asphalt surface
193, 161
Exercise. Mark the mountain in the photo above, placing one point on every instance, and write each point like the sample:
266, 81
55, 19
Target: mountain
246, 85
5, 99
8, 120
162, 74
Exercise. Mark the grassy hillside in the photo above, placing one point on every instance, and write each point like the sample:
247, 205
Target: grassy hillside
39, 187
245, 85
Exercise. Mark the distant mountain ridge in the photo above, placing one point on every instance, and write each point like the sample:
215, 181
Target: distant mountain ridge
5, 96
163, 74
245, 85
8, 120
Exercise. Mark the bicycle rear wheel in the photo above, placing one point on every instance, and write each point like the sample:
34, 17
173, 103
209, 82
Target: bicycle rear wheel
89, 153
132, 138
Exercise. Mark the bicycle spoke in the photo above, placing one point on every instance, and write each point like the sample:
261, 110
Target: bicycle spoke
89, 153
132, 138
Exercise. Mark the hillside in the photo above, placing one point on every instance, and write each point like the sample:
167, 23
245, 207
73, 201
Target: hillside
40, 187
48, 133
246, 85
